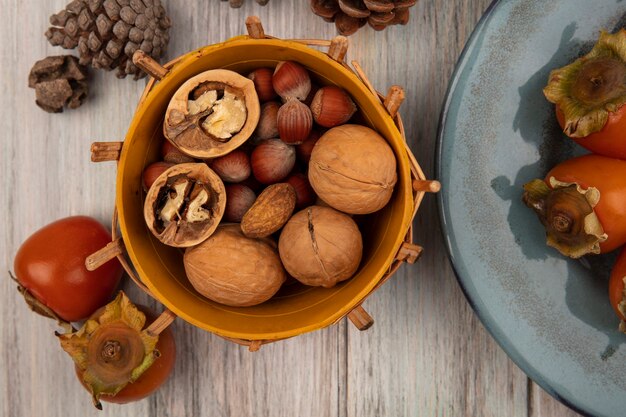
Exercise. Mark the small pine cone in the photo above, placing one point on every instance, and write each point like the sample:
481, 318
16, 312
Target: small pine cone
107, 32
350, 15
58, 81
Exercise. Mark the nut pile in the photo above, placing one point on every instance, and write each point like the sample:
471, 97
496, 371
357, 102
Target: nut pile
259, 180
350, 15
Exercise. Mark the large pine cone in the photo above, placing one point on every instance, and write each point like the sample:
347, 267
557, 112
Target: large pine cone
108, 32
350, 15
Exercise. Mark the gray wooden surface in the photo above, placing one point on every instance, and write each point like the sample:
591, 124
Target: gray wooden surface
427, 354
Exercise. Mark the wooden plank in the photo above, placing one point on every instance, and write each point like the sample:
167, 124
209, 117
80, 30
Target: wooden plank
427, 354
541, 404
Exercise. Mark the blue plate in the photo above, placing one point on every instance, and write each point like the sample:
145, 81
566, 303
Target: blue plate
550, 314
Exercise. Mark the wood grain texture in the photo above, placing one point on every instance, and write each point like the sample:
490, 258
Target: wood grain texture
427, 354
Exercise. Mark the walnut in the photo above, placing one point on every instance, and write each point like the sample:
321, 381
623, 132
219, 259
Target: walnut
232, 269
320, 246
185, 204
212, 113
353, 169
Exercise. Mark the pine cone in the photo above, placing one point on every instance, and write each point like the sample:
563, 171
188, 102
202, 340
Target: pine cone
108, 32
235, 4
350, 15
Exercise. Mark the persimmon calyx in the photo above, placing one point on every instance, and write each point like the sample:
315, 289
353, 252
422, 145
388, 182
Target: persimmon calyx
111, 350
590, 87
567, 212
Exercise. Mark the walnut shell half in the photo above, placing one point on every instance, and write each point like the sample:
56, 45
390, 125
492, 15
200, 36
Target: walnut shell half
185, 204
212, 113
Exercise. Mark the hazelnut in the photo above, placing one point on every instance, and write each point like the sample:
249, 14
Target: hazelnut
185, 204
270, 211
353, 169
291, 80
332, 106
234, 270
212, 113
305, 196
267, 127
294, 121
320, 246
272, 160
232, 167
303, 150
262, 79
171, 153
252, 183
239, 199
152, 172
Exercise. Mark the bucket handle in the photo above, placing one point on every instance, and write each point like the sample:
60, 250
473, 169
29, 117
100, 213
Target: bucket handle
116, 249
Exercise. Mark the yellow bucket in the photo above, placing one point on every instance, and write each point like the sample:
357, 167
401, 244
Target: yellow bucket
296, 309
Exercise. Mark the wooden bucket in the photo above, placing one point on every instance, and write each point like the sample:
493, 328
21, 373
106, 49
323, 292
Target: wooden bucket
296, 309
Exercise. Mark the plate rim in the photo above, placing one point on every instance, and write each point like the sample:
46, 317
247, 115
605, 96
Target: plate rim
489, 325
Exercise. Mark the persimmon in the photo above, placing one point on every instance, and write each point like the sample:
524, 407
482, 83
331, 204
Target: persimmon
590, 97
117, 357
582, 204
50, 268
617, 297
608, 141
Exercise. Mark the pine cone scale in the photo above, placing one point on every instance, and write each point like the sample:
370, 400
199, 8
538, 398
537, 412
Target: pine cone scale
350, 15
128, 15
380, 6
137, 6
104, 25
112, 9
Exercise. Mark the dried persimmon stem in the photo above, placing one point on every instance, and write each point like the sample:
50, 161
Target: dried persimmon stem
40, 308
161, 323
